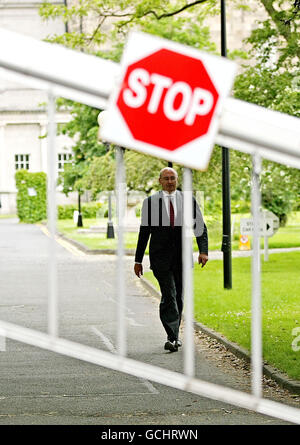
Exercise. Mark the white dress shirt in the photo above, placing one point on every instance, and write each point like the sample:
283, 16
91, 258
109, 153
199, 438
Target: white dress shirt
167, 197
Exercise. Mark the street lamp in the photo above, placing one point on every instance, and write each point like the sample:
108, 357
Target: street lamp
79, 219
110, 226
226, 241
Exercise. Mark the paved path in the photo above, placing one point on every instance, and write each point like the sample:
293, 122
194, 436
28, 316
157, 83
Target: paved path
40, 387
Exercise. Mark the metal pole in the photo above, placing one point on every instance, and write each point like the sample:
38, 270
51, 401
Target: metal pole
67, 23
188, 288
266, 240
110, 227
256, 324
226, 241
51, 220
121, 292
79, 220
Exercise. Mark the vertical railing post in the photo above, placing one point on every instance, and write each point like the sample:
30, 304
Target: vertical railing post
51, 219
121, 291
187, 259
256, 324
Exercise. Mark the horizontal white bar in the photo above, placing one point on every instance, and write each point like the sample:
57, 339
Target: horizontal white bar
143, 370
251, 148
90, 79
251, 128
55, 64
58, 90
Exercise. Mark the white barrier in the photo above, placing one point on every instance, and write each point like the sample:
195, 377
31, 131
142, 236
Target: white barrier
89, 80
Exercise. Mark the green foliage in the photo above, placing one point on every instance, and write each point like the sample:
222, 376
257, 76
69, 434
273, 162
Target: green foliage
269, 87
273, 83
83, 129
31, 209
101, 174
270, 80
280, 187
88, 210
71, 178
183, 30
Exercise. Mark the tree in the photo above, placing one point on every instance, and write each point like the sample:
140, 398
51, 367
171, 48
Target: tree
150, 17
284, 23
270, 82
273, 83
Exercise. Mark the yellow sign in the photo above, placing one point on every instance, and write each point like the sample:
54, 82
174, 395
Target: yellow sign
244, 243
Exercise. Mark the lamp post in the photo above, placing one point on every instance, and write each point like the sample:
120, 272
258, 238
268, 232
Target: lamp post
79, 220
226, 241
110, 233
110, 226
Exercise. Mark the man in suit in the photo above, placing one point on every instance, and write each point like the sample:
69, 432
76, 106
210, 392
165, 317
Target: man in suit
161, 221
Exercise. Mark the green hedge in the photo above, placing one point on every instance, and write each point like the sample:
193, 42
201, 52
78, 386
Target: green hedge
31, 209
88, 210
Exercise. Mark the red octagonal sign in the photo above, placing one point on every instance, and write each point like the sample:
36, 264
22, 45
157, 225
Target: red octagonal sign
167, 99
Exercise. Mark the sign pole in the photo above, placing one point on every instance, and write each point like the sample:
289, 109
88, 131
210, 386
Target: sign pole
266, 243
226, 242
256, 326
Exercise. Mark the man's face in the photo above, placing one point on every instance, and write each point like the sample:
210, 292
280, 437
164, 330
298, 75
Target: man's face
168, 181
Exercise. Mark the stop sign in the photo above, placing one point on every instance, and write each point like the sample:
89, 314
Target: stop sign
162, 102
167, 100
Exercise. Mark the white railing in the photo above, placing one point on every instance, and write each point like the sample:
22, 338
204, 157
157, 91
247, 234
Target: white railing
89, 80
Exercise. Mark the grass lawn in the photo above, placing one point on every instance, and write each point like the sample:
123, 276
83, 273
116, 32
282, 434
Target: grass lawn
288, 236
94, 240
6, 216
229, 311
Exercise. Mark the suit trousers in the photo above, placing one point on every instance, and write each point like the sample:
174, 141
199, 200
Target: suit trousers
171, 304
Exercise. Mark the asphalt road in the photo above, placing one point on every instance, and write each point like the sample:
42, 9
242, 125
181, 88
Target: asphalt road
43, 388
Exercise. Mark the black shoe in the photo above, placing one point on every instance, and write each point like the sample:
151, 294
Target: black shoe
171, 346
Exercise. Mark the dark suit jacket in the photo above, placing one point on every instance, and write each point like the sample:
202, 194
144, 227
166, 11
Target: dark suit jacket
165, 249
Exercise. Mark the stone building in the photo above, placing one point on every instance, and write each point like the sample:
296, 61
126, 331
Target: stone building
23, 111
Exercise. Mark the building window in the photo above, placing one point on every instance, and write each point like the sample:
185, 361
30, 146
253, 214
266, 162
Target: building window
22, 162
64, 158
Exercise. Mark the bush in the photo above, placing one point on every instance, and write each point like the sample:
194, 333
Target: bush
240, 206
88, 210
31, 196
66, 211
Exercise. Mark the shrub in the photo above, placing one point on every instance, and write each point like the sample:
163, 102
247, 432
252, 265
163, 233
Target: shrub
31, 196
88, 210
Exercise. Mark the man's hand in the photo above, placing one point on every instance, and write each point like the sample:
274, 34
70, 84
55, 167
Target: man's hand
202, 259
138, 270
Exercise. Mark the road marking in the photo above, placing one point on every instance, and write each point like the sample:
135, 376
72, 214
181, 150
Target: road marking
104, 339
112, 349
130, 320
68, 246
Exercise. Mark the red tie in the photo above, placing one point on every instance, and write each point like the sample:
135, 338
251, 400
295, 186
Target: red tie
171, 214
